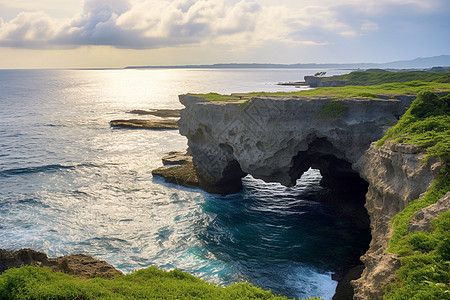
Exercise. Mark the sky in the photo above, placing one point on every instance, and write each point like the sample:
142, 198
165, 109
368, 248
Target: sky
119, 33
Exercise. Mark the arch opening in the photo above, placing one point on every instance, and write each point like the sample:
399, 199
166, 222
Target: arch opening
344, 189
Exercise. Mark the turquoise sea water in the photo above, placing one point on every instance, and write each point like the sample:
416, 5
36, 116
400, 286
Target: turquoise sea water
71, 184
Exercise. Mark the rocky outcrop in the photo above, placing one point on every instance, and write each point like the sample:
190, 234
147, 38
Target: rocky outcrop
179, 169
80, 265
396, 175
316, 81
279, 138
145, 124
176, 158
183, 174
422, 219
167, 119
163, 113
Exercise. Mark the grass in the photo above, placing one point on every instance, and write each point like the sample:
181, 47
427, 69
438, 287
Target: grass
377, 76
31, 282
403, 88
426, 124
335, 109
424, 256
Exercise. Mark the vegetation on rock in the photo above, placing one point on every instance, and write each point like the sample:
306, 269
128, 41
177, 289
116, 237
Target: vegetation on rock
335, 109
425, 256
31, 282
426, 124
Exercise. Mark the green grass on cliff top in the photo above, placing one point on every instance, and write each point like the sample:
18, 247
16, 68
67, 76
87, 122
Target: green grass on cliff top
426, 123
404, 88
424, 256
379, 76
30, 282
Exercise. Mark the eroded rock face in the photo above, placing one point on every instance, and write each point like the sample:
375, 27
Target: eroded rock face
396, 175
278, 138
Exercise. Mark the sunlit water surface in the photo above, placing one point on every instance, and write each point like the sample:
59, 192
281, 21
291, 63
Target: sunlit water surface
71, 184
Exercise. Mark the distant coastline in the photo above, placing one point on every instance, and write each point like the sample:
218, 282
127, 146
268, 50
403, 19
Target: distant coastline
418, 63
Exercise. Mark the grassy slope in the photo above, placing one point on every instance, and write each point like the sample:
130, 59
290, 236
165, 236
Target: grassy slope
30, 282
425, 256
405, 88
377, 76
366, 84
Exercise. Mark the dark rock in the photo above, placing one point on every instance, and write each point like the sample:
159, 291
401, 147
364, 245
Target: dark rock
344, 290
296, 83
80, 265
185, 174
315, 81
145, 124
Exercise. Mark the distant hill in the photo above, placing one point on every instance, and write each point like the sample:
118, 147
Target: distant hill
418, 63
421, 62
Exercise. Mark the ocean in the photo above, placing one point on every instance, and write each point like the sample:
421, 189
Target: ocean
69, 183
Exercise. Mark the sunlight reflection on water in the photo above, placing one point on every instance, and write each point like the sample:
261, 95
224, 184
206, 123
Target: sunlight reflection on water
70, 184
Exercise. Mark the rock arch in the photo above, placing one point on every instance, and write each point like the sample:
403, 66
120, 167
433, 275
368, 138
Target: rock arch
278, 138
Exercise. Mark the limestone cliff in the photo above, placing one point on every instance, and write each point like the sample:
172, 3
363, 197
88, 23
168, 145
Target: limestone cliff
278, 138
396, 175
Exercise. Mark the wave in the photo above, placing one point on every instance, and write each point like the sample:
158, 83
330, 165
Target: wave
41, 169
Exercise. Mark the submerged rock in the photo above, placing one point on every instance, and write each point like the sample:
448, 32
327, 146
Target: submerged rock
145, 124
163, 113
80, 265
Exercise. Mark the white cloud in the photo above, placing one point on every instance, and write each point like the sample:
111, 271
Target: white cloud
146, 24
140, 24
28, 29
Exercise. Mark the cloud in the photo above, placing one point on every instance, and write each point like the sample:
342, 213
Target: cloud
28, 29
232, 24
137, 24
146, 24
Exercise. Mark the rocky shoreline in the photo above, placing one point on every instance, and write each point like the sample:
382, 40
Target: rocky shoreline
80, 265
